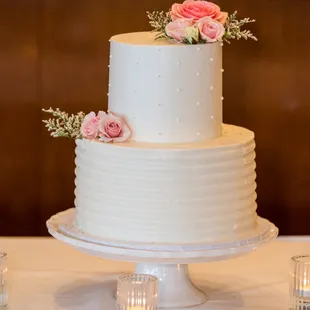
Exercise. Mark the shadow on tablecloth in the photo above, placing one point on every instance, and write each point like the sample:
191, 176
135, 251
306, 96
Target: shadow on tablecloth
89, 294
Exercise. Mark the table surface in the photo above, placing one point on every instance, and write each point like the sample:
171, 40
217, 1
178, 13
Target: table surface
46, 274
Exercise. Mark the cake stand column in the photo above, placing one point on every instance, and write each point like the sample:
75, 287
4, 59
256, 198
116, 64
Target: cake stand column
175, 286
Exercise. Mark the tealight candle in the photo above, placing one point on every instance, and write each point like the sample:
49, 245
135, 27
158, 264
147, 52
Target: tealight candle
300, 282
137, 292
304, 290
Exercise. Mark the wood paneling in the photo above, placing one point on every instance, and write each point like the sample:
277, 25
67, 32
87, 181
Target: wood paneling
19, 119
55, 53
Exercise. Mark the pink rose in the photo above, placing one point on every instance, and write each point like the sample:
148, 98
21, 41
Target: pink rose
196, 10
210, 30
90, 125
175, 29
112, 128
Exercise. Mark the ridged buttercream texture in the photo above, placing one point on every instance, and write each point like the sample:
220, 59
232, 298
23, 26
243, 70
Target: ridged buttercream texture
168, 194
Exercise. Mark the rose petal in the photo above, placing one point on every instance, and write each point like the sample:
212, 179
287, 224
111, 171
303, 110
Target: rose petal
101, 114
113, 128
223, 17
125, 135
105, 138
89, 116
114, 116
175, 29
196, 10
89, 126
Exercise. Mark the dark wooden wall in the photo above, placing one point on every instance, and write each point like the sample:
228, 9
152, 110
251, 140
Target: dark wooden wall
55, 53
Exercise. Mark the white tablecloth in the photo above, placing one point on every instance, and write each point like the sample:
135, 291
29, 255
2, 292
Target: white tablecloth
48, 275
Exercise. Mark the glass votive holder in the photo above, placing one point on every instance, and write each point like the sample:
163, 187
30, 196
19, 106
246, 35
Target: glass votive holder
3, 280
137, 292
300, 282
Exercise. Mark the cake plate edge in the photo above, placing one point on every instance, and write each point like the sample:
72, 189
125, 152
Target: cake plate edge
175, 286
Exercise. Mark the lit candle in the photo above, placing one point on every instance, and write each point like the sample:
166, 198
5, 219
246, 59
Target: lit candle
304, 291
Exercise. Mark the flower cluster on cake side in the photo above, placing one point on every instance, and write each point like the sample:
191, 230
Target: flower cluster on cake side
103, 126
198, 22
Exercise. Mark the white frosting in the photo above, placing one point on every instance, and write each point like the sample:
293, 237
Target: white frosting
168, 194
168, 93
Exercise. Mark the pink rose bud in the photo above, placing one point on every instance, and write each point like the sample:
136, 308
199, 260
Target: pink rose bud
90, 125
196, 10
176, 28
210, 30
113, 128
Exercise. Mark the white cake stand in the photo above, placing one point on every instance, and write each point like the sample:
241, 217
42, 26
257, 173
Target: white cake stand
168, 263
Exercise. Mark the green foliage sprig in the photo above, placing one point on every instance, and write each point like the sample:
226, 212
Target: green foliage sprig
159, 20
63, 124
233, 28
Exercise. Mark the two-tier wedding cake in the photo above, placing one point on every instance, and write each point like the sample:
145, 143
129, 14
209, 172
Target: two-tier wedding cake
160, 166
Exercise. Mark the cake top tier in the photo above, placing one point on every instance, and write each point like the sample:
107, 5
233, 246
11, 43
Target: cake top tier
166, 92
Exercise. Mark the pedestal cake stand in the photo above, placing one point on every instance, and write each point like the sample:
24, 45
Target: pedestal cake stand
168, 263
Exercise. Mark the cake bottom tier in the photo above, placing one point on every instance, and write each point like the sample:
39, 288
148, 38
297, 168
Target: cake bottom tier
168, 194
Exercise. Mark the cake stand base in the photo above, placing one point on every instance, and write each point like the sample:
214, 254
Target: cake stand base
175, 286
168, 264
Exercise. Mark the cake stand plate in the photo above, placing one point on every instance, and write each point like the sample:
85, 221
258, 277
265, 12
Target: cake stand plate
168, 263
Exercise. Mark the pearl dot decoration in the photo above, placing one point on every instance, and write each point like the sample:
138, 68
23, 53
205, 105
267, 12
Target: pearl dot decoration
108, 94
109, 66
110, 56
178, 120
222, 98
178, 90
158, 75
198, 48
211, 88
212, 116
159, 104
198, 133
211, 59
179, 63
222, 70
222, 44
198, 73
198, 104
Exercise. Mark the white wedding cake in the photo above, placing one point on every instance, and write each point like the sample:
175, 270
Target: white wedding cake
160, 167
184, 177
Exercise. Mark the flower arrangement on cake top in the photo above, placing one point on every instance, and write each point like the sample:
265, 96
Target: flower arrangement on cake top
105, 127
198, 22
